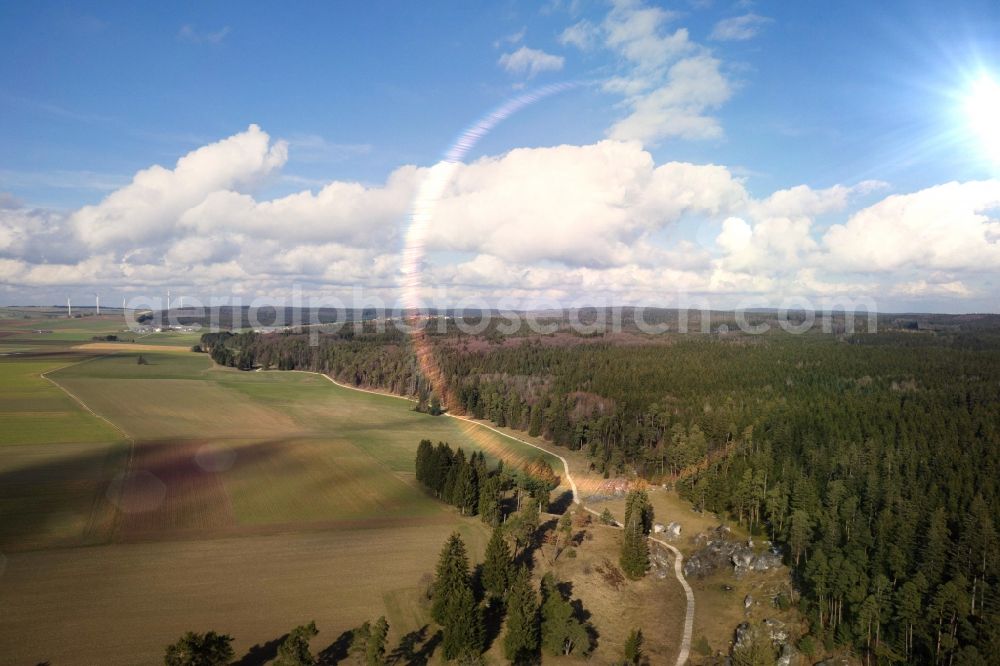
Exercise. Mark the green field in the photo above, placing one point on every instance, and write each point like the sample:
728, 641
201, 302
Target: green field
249, 502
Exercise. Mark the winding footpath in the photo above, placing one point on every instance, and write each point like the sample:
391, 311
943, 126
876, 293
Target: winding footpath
685, 647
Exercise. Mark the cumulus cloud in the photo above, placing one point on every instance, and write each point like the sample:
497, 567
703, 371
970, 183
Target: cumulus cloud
529, 62
579, 205
556, 222
146, 208
739, 28
951, 226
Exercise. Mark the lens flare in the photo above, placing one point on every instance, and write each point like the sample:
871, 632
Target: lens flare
422, 214
982, 108
429, 194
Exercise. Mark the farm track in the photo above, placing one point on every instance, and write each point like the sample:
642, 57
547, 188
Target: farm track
685, 647
131, 443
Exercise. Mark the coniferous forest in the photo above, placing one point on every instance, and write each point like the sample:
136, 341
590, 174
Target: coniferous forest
872, 458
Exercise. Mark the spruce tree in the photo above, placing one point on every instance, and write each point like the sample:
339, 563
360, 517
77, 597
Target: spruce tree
489, 500
520, 642
452, 575
466, 493
448, 492
498, 566
454, 606
462, 635
425, 455
562, 633
638, 504
635, 549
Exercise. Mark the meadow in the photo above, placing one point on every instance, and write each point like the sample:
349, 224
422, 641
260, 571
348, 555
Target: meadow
200, 497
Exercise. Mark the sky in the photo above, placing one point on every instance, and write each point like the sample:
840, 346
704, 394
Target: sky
739, 154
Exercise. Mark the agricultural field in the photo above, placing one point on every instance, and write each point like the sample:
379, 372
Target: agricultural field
174, 495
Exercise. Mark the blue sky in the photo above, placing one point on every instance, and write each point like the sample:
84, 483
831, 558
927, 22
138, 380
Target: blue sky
808, 95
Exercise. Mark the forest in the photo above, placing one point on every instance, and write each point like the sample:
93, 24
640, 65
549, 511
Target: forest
872, 458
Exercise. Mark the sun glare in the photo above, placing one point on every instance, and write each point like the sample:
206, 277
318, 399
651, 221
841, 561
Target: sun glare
982, 107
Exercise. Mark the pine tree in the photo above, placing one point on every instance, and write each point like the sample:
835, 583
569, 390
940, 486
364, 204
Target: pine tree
934, 555
562, 633
520, 643
565, 531
452, 575
375, 650
498, 566
800, 533
294, 651
193, 649
635, 549
633, 647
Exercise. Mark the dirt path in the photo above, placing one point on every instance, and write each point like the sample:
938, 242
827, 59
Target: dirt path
685, 647
129, 462
129, 346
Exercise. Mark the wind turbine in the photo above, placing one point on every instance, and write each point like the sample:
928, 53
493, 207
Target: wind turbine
69, 308
97, 304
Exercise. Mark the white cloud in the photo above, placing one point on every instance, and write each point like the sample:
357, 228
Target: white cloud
578, 205
677, 107
512, 38
189, 33
582, 35
950, 226
556, 221
670, 83
146, 208
527, 61
739, 28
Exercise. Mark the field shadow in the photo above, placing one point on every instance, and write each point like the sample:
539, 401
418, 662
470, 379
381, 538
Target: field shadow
415, 649
261, 653
337, 651
168, 467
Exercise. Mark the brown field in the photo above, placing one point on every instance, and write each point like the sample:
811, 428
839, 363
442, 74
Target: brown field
122, 603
